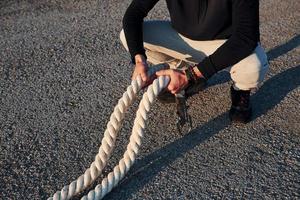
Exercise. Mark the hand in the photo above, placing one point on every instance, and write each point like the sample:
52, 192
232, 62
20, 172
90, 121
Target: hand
178, 80
141, 68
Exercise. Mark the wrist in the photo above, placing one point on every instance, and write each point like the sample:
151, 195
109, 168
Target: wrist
190, 75
197, 72
193, 74
139, 58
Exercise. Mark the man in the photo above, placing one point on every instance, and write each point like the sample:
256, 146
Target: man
203, 37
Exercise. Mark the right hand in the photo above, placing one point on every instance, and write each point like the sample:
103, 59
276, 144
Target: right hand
178, 79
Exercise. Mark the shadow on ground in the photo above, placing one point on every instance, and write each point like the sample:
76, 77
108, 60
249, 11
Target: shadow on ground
269, 95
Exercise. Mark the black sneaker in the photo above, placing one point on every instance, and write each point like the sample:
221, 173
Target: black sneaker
241, 109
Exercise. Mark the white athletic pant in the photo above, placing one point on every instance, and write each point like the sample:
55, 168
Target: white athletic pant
164, 45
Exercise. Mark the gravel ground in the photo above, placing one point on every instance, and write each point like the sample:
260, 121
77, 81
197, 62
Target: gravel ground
62, 70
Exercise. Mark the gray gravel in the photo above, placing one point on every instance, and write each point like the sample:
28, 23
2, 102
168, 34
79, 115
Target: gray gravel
62, 70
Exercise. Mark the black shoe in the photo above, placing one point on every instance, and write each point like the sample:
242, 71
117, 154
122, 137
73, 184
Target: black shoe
241, 109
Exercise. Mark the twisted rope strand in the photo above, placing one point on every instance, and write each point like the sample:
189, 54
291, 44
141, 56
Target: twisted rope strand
130, 154
109, 139
107, 145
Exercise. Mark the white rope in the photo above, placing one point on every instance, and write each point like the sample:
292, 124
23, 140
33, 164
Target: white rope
109, 139
130, 154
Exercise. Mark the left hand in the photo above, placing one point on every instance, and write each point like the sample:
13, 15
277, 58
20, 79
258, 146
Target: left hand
178, 80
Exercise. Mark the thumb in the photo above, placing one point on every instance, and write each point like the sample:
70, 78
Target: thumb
165, 72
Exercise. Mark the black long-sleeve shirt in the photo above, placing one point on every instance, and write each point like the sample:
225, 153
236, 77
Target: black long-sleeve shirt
235, 20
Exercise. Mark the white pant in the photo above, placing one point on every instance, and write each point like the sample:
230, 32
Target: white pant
164, 45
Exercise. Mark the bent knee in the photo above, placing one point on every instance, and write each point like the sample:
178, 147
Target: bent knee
249, 72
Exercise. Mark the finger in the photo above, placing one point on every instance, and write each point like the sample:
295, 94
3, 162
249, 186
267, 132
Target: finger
171, 87
165, 72
144, 76
173, 92
133, 76
176, 89
149, 81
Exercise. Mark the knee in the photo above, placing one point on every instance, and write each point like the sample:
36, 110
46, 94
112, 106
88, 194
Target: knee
123, 39
256, 62
249, 72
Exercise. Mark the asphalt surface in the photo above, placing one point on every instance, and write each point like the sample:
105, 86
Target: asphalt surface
63, 69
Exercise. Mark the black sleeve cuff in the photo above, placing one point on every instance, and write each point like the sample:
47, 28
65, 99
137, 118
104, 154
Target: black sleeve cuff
133, 55
207, 68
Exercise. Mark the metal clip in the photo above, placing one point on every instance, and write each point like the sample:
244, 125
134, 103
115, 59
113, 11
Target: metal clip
182, 113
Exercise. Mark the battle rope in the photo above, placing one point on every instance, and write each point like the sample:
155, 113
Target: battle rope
109, 139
